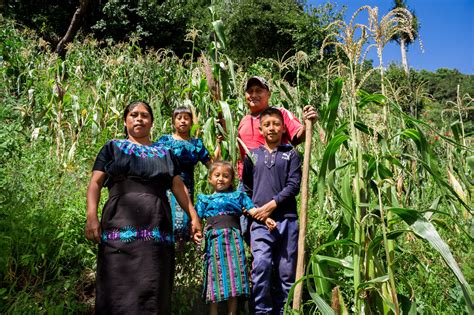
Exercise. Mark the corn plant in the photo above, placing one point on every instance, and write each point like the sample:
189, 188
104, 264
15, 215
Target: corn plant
374, 176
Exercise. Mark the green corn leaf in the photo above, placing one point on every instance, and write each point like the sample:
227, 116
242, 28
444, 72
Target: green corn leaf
470, 163
424, 229
218, 26
233, 77
320, 271
378, 240
367, 130
328, 159
321, 304
373, 282
343, 242
456, 129
231, 134
367, 98
287, 93
333, 106
323, 307
342, 263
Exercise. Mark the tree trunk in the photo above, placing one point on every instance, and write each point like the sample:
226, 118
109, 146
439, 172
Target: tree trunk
73, 27
403, 49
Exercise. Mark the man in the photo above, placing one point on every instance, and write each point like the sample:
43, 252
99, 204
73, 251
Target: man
257, 96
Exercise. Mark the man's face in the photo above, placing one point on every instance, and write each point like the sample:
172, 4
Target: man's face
257, 98
272, 129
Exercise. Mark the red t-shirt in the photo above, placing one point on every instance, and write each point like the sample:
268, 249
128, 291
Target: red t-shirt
250, 135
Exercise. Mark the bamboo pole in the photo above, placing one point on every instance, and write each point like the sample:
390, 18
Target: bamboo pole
300, 266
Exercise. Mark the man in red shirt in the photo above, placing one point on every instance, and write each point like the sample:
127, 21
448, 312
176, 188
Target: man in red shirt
257, 96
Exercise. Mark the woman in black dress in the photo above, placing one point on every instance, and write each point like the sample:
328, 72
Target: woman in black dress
135, 263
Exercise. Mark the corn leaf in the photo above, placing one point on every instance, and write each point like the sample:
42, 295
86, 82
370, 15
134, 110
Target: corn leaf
424, 229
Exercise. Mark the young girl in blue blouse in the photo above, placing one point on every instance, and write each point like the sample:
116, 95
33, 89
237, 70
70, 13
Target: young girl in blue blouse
225, 266
189, 151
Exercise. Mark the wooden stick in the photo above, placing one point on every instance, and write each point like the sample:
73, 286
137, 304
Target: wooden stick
300, 267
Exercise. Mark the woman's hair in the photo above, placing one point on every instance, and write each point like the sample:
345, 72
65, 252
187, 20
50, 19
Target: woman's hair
131, 106
229, 166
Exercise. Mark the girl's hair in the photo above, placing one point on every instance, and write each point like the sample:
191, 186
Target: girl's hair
229, 166
182, 110
131, 106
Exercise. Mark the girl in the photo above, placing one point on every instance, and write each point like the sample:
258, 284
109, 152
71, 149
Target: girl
189, 151
225, 266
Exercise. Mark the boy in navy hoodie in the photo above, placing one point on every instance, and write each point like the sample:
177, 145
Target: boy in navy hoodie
272, 176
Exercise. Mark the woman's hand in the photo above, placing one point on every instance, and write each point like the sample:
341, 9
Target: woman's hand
196, 230
92, 230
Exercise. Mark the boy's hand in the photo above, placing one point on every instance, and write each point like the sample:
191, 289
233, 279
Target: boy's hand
271, 224
262, 213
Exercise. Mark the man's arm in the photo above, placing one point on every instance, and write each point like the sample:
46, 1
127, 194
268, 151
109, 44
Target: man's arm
309, 113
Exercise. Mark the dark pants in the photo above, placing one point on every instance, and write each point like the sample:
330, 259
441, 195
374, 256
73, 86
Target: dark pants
274, 264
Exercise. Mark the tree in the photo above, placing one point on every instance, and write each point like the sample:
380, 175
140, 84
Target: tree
261, 28
74, 26
403, 38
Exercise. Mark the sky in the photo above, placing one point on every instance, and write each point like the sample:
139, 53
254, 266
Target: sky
446, 30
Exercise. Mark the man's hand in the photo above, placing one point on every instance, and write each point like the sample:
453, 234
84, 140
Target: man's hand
310, 113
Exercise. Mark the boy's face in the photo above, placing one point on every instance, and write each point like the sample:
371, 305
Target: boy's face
257, 98
272, 129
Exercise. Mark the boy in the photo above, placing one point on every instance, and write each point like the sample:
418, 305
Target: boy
272, 176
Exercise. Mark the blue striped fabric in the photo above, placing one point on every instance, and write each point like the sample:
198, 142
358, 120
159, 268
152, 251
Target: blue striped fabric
225, 266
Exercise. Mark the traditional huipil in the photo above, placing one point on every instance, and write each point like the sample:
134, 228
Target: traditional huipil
189, 153
224, 263
135, 264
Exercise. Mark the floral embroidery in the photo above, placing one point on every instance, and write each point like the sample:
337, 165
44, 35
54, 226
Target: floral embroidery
228, 203
129, 234
191, 150
143, 151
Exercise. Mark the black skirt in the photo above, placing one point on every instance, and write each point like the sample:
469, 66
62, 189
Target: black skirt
135, 265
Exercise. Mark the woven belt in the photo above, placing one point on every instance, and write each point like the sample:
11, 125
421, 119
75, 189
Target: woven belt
223, 221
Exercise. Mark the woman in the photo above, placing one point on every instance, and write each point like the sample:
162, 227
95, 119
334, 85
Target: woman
189, 151
135, 262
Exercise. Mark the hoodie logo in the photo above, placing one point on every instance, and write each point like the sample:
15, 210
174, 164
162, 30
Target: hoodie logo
286, 156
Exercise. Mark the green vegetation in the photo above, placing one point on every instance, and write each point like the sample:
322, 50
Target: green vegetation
390, 222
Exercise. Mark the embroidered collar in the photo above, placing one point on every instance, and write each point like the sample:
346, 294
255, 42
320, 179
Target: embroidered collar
143, 151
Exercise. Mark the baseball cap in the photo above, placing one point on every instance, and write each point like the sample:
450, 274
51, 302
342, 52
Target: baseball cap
257, 80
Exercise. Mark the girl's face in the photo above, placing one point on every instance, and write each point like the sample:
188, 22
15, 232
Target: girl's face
182, 123
138, 122
221, 179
